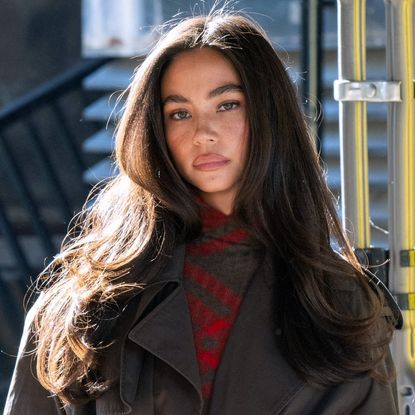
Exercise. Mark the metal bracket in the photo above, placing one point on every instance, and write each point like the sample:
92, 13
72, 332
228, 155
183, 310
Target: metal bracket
407, 257
369, 91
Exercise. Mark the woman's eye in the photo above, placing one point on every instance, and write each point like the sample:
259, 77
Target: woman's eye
227, 106
179, 115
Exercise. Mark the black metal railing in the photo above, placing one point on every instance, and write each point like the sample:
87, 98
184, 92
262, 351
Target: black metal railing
23, 111
24, 123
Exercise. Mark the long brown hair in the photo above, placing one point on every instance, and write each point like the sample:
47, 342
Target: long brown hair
138, 217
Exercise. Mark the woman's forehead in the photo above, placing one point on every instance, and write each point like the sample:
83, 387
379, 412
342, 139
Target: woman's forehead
205, 67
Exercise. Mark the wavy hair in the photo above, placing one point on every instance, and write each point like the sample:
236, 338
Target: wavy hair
122, 239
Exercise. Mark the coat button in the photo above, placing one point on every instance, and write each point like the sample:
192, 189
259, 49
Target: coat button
278, 331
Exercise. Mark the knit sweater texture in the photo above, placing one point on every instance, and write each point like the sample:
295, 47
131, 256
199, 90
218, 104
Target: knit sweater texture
218, 268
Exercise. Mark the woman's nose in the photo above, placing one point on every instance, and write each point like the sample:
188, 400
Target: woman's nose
205, 132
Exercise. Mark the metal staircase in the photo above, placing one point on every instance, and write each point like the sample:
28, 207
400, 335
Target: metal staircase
41, 168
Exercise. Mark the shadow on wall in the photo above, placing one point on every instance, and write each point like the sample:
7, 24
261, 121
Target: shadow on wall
39, 40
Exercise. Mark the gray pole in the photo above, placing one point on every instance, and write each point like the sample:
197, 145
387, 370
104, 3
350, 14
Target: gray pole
353, 126
401, 166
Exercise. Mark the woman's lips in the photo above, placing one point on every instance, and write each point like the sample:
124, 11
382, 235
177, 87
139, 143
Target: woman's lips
207, 162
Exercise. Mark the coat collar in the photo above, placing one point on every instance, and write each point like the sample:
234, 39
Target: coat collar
263, 379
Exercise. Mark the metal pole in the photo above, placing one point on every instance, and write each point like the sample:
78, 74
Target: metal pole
401, 166
353, 128
312, 64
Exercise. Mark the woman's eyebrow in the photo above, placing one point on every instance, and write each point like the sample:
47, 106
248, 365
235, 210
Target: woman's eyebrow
212, 94
224, 88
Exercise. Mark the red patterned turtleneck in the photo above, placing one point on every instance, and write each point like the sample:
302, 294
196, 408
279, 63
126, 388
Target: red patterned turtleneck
218, 267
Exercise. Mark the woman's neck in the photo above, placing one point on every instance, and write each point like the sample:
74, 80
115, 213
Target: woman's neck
222, 203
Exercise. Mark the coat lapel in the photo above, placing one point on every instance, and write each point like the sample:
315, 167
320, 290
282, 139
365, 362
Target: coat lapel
166, 332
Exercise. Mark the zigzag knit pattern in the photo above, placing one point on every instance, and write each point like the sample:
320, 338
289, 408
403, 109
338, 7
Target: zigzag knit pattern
217, 270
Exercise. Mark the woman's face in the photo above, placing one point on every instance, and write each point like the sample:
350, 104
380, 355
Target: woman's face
205, 122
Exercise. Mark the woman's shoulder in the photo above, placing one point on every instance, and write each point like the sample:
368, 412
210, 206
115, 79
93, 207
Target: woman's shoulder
355, 294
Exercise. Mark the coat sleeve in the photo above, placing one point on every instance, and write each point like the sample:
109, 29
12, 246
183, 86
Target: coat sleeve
26, 396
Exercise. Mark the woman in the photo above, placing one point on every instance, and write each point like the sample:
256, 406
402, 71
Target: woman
203, 279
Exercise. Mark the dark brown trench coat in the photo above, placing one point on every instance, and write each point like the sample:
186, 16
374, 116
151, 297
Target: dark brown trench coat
156, 365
